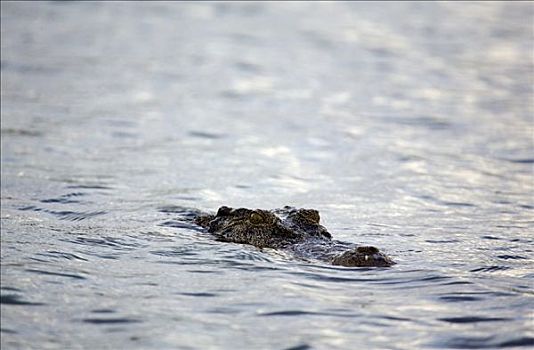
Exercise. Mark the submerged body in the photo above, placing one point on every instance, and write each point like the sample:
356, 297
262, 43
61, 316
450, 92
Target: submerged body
295, 230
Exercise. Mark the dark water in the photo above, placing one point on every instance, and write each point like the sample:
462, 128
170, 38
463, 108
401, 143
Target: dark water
408, 125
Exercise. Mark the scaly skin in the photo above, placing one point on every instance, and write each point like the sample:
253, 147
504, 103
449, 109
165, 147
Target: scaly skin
290, 229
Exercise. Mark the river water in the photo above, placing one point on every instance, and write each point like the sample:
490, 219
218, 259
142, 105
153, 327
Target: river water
409, 126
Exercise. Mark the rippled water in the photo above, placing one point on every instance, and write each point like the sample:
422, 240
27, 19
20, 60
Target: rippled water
409, 126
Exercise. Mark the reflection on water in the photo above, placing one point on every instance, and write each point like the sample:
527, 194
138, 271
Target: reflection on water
408, 125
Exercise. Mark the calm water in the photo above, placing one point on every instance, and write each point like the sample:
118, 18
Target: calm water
409, 126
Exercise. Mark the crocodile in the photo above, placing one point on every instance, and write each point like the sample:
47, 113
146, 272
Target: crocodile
297, 231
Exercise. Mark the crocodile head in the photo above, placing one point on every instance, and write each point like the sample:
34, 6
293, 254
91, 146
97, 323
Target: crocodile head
262, 228
298, 230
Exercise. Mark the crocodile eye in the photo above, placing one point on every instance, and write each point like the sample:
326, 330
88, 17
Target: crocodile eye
256, 218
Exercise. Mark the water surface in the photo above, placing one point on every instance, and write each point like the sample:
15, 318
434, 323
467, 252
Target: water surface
409, 126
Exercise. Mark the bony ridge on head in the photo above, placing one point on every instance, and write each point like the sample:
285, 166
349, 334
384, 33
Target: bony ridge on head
311, 215
224, 211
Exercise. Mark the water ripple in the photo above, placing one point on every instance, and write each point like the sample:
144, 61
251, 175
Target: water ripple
206, 135
459, 298
60, 274
182, 224
490, 268
109, 242
64, 199
90, 187
175, 252
66, 214
488, 342
520, 161
110, 320
201, 295
184, 212
56, 254
307, 313
7, 330
522, 341
299, 347
103, 311
472, 319
513, 257
14, 299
